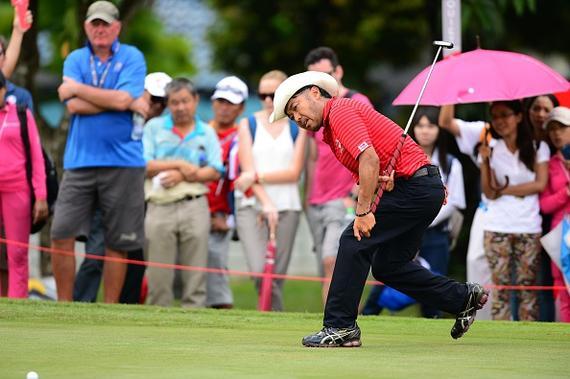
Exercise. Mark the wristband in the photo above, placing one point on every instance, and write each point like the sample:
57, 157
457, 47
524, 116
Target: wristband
364, 213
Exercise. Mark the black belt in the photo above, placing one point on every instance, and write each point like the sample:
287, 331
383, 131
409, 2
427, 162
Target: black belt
190, 197
429, 170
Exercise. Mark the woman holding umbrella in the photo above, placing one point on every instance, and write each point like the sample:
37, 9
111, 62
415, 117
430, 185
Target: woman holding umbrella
513, 222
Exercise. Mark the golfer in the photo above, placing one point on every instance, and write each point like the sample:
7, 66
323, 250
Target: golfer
363, 140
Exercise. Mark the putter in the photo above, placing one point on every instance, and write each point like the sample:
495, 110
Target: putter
440, 45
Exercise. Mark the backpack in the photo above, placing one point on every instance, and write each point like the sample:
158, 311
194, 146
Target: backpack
52, 185
293, 128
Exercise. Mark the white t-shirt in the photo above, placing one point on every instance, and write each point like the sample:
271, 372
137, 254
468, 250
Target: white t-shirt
273, 154
469, 136
455, 188
511, 214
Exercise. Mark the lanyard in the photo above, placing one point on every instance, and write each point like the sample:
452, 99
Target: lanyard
94, 76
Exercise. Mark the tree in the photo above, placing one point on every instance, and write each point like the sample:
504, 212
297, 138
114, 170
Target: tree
255, 36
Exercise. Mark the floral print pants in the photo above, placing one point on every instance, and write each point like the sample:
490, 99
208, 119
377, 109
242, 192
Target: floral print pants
518, 254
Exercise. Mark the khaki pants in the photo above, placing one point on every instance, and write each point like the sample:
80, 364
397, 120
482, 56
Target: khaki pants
178, 228
254, 237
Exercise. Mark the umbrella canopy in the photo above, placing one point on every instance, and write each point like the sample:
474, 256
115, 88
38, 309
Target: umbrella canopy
483, 75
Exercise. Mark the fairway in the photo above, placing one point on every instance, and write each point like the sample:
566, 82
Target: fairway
103, 341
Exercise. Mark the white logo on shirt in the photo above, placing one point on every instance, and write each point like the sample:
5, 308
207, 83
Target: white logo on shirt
363, 146
339, 146
118, 66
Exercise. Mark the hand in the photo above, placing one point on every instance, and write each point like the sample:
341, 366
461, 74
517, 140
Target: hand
16, 25
140, 106
485, 152
170, 178
67, 89
388, 181
245, 180
219, 223
363, 225
271, 214
188, 170
40, 211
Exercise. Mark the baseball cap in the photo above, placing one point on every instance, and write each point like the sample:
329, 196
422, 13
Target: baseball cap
232, 89
560, 114
102, 10
294, 83
155, 83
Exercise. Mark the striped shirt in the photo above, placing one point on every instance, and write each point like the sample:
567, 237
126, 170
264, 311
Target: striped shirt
350, 127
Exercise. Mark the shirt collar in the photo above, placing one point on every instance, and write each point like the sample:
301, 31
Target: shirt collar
199, 126
114, 47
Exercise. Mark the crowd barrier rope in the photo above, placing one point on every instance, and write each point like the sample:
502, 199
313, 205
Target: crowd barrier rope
48, 250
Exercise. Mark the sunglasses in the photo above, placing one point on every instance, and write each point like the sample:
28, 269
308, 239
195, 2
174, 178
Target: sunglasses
263, 96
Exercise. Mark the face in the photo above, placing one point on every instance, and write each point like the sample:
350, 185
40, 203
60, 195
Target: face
539, 110
101, 34
182, 105
426, 132
559, 134
305, 109
267, 88
325, 65
504, 120
225, 112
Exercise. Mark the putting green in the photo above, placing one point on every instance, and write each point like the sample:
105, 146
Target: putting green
121, 341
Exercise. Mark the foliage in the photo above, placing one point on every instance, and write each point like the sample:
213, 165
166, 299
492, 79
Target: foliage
255, 36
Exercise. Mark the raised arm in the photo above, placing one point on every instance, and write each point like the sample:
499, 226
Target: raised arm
12, 52
447, 120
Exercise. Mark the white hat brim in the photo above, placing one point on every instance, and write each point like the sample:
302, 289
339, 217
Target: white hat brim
294, 83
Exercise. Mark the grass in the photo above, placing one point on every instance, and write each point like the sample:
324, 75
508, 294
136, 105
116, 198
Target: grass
121, 341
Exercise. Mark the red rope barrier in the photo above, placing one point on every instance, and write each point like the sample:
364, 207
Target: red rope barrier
238, 272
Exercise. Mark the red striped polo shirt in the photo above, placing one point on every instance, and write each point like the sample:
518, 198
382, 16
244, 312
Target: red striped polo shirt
350, 127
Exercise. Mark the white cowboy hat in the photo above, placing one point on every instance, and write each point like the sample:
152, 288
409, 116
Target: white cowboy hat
294, 83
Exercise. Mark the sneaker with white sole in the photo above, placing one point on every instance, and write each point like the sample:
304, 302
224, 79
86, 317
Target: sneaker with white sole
477, 296
334, 337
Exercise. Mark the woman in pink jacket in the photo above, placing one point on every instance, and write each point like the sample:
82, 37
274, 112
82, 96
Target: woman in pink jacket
16, 211
555, 199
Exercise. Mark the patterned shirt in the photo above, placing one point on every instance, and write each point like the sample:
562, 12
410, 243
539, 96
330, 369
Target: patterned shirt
350, 127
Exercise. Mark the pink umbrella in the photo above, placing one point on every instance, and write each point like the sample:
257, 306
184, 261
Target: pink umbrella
483, 75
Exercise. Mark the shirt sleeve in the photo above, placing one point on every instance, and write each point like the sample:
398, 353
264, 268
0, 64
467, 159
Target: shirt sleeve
350, 130
131, 78
469, 135
72, 67
543, 153
38, 164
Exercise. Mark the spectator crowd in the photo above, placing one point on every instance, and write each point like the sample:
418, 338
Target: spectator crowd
146, 179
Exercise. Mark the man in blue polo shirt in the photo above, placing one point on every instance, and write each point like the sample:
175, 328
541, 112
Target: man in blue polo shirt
103, 162
182, 153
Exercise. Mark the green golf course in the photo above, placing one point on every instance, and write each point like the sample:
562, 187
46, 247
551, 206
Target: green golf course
124, 341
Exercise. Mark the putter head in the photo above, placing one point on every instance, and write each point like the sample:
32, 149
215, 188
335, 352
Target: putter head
444, 44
